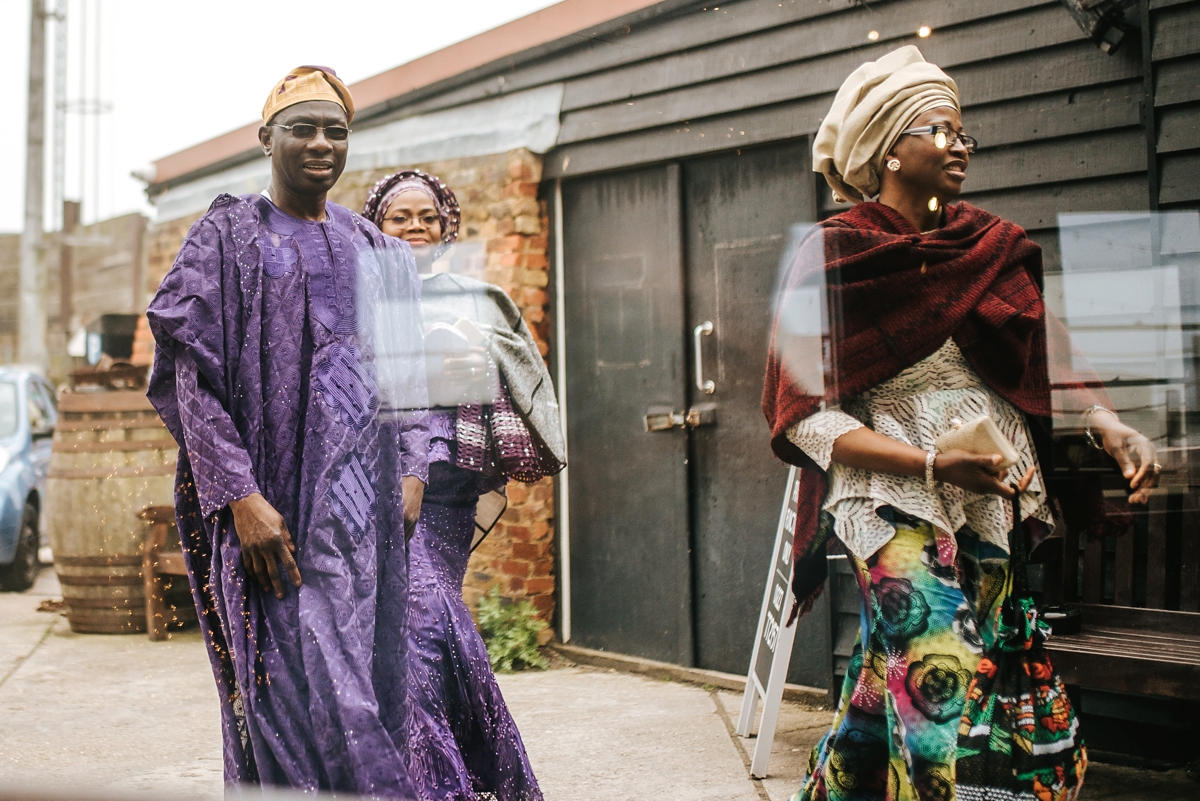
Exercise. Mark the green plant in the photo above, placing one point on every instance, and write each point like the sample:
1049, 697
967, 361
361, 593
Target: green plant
511, 632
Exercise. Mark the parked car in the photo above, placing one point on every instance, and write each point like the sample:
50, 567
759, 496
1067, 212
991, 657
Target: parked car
27, 418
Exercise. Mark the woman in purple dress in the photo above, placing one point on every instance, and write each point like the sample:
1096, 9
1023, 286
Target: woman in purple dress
495, 418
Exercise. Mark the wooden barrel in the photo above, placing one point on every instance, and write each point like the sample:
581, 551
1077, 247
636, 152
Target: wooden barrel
112, 457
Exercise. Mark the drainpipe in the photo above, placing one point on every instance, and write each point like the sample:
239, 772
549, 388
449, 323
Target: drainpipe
563, 513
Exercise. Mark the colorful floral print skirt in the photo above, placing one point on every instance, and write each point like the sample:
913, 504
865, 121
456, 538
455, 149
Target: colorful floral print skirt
922, 635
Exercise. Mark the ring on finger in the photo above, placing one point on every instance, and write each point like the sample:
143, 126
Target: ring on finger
1156, 467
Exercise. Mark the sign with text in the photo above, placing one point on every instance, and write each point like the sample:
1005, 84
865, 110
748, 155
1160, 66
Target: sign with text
773, 643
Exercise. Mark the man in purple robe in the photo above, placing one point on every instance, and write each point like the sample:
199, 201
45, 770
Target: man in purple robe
289, 369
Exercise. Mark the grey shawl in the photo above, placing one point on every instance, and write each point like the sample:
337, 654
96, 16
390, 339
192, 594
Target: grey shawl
446, 298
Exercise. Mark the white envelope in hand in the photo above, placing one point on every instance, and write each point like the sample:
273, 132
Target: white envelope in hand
979, 436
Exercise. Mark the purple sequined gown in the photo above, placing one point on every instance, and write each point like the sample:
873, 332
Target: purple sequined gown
463, 742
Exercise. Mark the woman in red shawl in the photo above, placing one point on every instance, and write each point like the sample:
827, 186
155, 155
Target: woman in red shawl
934, 316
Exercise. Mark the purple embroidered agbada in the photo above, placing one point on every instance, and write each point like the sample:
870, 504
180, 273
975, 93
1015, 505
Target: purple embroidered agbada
289, 363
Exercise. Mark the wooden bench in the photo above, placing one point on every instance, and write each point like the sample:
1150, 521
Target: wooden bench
1135, 651
162, 565
1139, 592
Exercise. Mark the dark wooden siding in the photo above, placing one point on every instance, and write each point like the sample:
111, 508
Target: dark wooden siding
1176, 61
1060, 121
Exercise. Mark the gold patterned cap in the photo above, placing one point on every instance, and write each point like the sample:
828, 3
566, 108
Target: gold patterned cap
308, 83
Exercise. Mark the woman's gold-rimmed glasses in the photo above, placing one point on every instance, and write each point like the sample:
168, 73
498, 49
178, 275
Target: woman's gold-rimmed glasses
944, 137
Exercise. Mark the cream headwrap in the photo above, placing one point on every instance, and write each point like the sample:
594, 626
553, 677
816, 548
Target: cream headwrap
308, 83
878, 101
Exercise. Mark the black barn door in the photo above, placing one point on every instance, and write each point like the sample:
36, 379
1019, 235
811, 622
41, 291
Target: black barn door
671, 529
630, 574
739, 210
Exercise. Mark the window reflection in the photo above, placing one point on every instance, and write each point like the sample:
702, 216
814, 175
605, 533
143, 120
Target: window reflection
1129, 295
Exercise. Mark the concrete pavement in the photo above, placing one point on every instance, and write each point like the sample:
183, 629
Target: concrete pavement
121, 716
116, 714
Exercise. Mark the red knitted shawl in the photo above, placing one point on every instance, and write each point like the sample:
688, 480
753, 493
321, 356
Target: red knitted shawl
894, 296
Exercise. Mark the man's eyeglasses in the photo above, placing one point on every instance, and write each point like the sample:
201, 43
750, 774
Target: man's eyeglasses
306, 131
944, 137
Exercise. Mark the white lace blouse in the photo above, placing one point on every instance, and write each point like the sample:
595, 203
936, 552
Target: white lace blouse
915, 407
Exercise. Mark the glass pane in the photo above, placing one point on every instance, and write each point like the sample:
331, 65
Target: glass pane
8, 408
51, 399
1128, 296
38, 418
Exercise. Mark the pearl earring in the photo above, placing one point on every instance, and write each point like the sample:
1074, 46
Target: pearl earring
893, 164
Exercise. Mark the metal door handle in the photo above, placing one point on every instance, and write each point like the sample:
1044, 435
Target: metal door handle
705, 328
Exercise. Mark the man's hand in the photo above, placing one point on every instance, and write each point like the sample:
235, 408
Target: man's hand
413, 490
265, 543
978, 473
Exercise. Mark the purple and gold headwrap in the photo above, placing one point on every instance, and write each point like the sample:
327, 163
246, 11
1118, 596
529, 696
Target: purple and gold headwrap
384, 192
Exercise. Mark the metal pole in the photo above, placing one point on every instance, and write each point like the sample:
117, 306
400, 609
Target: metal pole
31, 324
96, 124
60, 110
82, 106
66, 282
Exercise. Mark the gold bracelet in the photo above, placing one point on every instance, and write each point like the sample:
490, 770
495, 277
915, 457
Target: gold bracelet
1087, 424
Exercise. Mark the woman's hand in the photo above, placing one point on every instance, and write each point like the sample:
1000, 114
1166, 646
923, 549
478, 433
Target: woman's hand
465, 369
1135, 454
455, 380
978, 473
870, 450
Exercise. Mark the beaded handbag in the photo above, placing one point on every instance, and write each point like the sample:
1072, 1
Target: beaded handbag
1018, 738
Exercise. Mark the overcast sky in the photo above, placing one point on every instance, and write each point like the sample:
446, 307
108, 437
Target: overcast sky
178, 72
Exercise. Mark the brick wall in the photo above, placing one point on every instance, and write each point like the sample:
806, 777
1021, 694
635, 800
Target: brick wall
162, 244
503, 241
163, 241
107, 275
